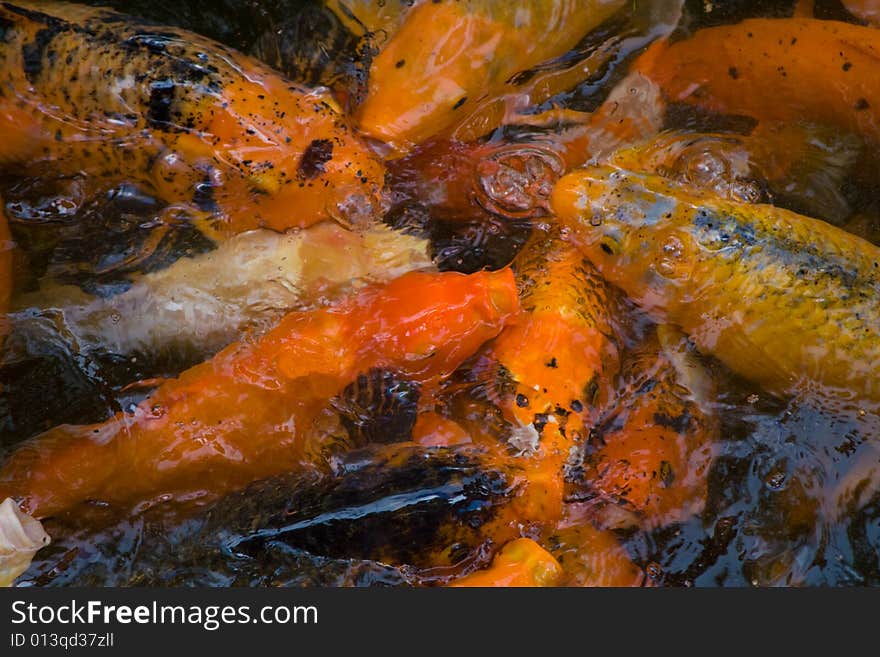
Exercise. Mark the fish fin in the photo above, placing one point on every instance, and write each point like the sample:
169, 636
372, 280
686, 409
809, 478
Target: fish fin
551, 118
690, 371
378, 407
21, 536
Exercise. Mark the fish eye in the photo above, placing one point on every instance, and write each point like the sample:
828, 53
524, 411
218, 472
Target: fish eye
609, 245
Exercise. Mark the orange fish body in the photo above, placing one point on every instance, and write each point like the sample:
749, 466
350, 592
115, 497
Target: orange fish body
561, 351
548, 374
91, 91
813, 70
591, 557
556, 361
521, 563
242, 415
654, 451
447, 58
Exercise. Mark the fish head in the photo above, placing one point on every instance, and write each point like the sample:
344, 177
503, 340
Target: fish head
429, 74
631, 228
430, 323
335, 178
287, 156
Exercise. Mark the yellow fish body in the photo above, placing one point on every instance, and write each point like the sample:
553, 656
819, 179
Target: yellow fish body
782, 299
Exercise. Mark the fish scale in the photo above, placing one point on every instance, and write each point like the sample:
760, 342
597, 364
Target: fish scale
782, 299
93, 91
551, 280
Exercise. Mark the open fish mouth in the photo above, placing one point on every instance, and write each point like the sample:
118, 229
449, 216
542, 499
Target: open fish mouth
517, 181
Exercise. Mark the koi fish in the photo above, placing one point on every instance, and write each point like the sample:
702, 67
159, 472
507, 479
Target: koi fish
560, 355
520, 563
197, 306
89, 90
814, 70
447, 58
549, 372
802, 166
782, 299
243, 414
651, 453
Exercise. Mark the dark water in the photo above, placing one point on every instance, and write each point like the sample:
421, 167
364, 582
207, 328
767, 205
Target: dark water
791, 496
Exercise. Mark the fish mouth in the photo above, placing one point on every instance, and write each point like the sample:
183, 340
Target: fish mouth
517, 181
572, 201
502, 292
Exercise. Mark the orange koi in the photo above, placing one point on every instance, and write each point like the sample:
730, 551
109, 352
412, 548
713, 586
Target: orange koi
212, 131
652, 453
243, 414
814, 70
552, 367
448, 58
521, 563
561, 352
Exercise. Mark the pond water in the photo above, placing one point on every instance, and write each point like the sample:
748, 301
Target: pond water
672, 467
